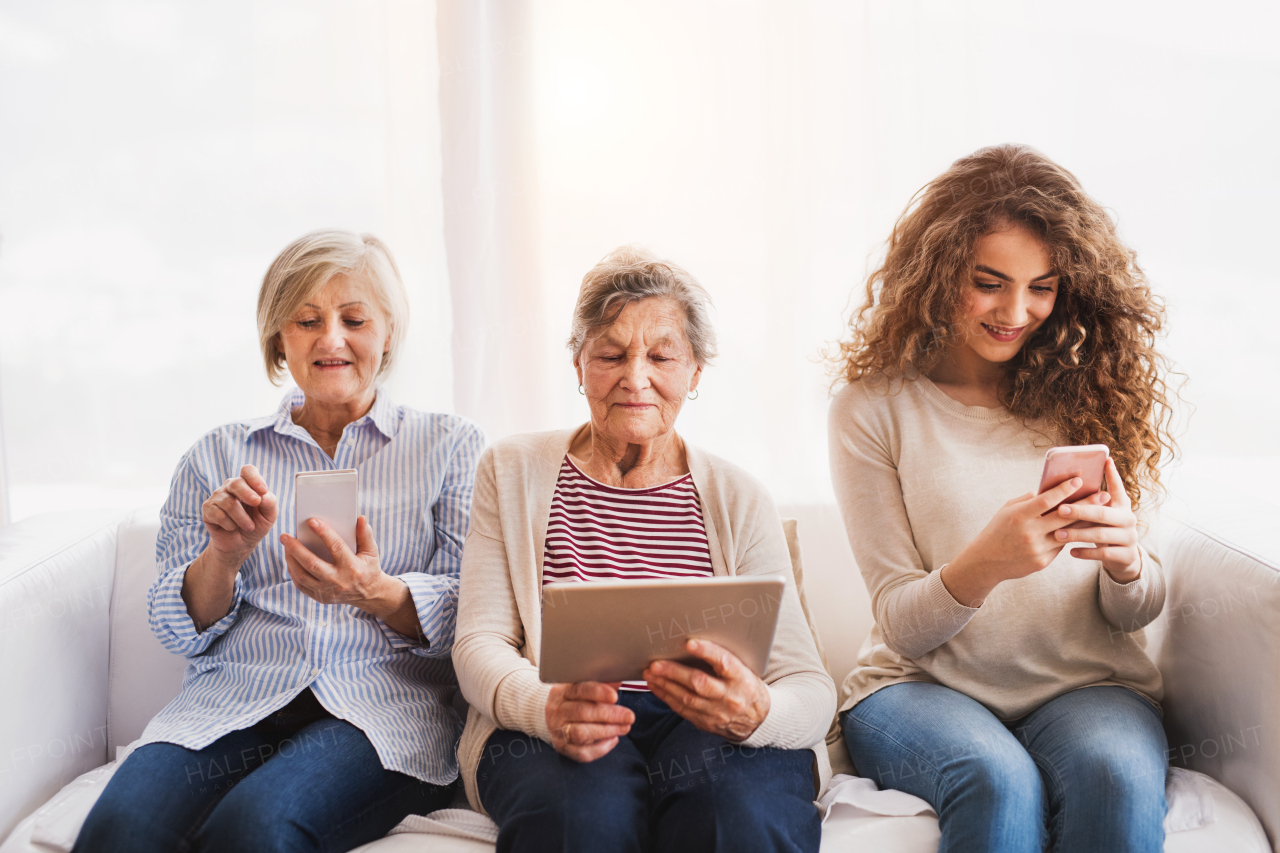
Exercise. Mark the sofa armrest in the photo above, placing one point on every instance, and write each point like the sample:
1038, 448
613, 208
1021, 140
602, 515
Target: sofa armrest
56, 572
1220, 655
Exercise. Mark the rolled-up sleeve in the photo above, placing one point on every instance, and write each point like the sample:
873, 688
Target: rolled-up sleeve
182, 538
435, 590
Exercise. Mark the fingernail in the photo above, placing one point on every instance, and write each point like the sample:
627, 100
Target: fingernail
314, 522
1075, 482
1061, 534
1065, 509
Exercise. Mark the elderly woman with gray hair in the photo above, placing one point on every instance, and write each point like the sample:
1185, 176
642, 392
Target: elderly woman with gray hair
687, 759
315, 709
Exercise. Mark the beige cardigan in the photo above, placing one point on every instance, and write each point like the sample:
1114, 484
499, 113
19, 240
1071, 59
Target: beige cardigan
499, 627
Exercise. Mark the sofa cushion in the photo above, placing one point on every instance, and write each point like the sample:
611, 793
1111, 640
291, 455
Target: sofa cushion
55, 584
837, 754
54, 827
144, 675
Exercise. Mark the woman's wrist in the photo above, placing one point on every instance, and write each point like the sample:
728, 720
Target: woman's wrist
742, 729
967, 581
224, 564
1127, 575
387, 596
209, 587
393, 603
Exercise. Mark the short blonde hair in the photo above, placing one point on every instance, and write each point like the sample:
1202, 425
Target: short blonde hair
305, 267
629, 274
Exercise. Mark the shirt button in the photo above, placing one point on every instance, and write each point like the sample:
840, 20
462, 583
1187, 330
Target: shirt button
324, 623
315, 670
350, 442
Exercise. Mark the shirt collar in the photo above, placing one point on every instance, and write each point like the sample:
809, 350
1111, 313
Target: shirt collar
383, 415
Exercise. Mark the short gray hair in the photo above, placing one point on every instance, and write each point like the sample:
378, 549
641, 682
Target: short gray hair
305, 267
629, 274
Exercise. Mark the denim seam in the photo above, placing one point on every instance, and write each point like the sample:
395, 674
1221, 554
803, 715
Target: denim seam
1045, 766
938, 774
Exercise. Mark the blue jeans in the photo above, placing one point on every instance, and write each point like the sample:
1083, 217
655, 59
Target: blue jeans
1083, 772
320, 788
666, 786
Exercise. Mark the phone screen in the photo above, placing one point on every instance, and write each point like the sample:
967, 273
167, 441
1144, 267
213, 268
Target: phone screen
331, 496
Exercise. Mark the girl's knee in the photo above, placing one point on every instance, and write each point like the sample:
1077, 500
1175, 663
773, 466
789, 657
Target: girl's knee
1000, 774
1124, 771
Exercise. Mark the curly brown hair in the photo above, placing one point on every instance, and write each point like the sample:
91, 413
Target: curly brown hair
1091, 372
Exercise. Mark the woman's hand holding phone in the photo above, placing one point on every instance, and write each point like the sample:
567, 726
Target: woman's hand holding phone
1109, 525
1019, 540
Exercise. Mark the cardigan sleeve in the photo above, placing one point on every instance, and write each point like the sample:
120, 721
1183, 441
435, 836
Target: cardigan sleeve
494, 676
802, 696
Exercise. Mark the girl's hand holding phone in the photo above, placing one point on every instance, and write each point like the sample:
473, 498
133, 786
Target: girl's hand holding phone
1020, 540
1109, 525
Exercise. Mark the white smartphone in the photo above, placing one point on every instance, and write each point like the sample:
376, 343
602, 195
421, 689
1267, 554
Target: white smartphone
334, 498
1086, 461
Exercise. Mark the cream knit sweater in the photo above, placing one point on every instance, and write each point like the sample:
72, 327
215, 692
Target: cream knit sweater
919, 475
499, 629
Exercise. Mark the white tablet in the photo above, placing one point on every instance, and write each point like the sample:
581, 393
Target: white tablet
612, 630
334, 498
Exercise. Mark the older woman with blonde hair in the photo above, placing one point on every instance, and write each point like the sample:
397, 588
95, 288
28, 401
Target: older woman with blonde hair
315, 710
687, 759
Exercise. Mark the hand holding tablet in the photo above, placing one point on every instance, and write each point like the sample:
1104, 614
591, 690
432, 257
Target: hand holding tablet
731, 702
701, 644
612, 630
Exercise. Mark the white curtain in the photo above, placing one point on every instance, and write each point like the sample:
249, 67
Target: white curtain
155, 158
768, 146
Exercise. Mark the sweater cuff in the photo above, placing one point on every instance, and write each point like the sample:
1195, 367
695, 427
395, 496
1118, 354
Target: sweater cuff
950, 614
1125, 598
520, 703
772, 730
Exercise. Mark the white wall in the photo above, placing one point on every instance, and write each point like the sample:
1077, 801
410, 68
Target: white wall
155, 158
157, 155
769, 146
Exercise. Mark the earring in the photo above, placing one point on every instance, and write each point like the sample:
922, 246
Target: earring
693, 395
580, 391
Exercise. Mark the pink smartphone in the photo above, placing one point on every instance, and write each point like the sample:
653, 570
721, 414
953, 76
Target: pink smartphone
1086, 461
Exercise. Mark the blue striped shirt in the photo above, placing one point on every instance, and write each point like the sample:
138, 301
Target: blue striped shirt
417, 472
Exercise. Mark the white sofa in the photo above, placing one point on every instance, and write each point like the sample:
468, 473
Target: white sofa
81, 673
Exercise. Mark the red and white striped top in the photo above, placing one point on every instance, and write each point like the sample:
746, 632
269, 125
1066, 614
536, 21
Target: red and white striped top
598, 532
